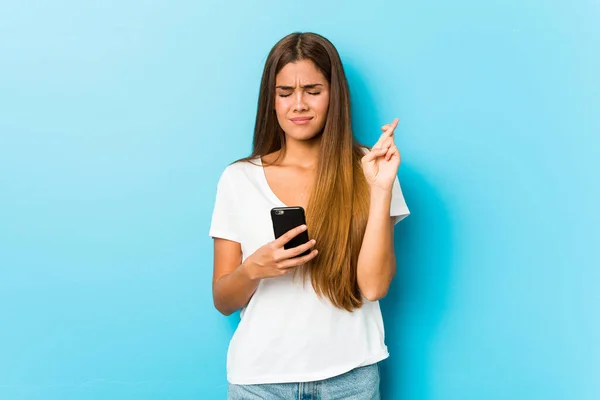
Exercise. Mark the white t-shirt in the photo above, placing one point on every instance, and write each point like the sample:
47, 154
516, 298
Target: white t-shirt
287, 333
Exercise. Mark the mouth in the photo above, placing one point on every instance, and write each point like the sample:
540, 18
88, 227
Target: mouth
301, 120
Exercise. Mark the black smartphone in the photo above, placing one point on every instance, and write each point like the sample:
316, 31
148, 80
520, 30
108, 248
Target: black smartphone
286, 218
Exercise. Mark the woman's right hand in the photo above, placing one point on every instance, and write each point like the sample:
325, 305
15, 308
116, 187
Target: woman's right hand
272, 259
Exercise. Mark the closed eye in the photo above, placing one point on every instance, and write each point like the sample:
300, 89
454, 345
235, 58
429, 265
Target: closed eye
289, 94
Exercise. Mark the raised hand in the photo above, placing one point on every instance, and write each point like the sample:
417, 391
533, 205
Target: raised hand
380, 165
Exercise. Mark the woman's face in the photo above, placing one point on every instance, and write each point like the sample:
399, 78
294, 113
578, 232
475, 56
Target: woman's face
301, 99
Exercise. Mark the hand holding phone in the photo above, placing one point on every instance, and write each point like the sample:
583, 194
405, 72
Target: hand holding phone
282, 255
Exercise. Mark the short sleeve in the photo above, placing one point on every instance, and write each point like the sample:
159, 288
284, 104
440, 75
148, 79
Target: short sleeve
398, 208
223, 224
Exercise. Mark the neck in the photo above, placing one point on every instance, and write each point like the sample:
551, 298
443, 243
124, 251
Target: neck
302, 153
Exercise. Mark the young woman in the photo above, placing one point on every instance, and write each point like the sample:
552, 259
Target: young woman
311, 326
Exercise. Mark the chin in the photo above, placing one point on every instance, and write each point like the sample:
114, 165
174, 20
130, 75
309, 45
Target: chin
303, 133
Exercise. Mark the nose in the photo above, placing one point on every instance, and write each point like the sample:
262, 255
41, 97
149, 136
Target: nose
300, 104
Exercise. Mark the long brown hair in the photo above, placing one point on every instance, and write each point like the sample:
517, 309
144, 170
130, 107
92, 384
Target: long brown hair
339, 202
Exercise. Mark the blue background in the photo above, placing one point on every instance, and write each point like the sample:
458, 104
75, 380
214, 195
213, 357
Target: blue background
117, 118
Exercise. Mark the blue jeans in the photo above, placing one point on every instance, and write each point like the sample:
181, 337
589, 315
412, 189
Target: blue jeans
359, 384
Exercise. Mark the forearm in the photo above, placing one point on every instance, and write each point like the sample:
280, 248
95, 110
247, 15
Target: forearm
376, 261
233, 291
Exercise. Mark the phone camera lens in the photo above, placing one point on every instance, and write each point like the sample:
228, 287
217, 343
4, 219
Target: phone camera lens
279, 212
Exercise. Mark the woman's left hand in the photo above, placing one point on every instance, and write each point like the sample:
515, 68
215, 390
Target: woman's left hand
380, 165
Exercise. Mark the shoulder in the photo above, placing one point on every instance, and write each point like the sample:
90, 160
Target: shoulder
238, 170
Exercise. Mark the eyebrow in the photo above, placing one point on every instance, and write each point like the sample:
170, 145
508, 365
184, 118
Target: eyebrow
310, 86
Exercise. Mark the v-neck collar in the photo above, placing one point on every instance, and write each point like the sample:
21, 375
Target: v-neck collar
265, 184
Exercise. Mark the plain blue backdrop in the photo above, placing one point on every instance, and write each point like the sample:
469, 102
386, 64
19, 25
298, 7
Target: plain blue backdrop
117, 118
